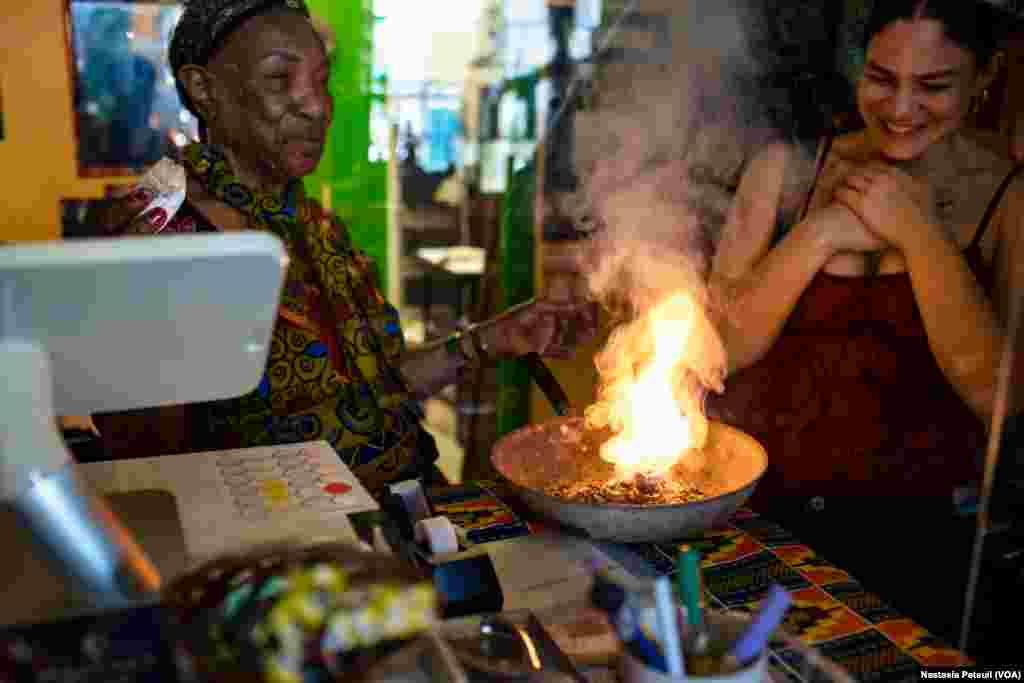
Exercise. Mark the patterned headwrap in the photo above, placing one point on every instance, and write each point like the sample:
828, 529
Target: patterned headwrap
205, 24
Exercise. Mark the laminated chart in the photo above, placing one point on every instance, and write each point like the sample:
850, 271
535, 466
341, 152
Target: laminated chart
267, 482
232, 500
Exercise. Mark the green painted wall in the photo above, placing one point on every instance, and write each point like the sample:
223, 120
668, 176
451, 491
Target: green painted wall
358, 188
518, 271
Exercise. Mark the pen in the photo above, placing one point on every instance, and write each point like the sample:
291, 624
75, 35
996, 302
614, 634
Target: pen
769, 615
665, 605
612, 598
688, 579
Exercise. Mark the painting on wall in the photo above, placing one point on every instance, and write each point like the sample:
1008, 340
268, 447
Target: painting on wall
127, 108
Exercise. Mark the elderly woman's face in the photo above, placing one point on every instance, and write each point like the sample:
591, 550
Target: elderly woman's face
274, 107
916, 87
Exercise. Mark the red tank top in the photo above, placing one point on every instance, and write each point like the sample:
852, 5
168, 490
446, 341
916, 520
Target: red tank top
850, 401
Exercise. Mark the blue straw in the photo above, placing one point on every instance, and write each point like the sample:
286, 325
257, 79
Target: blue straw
771, 613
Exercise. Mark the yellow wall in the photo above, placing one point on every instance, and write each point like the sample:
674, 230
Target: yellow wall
38, 153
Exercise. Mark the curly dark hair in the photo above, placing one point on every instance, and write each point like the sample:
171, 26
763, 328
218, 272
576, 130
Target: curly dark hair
975, 25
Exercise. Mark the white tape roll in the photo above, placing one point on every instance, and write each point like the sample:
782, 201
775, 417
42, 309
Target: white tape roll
438, 533
413, 498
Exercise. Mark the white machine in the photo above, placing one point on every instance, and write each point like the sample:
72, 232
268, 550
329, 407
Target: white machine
115, 324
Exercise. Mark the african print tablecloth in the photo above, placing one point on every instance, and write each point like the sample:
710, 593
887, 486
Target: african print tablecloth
831, 611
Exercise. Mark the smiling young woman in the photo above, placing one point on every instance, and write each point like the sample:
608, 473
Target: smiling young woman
918, 86
866, 297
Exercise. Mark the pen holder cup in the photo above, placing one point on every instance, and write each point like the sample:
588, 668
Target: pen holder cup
635, 671
724, 628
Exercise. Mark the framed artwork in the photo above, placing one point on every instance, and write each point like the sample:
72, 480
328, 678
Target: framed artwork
127, 110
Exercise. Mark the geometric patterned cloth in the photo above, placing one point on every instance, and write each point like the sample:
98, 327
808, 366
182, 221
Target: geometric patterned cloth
831, 611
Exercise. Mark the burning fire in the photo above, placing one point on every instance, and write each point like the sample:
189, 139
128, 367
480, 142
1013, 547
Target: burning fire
654, 371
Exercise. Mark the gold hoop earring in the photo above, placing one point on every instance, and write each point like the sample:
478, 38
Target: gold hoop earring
978, 102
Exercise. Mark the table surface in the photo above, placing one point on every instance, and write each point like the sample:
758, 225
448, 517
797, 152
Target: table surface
183, 509
831, 611
540, 570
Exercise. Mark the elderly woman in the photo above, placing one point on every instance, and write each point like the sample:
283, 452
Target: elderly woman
866, 302
255, 73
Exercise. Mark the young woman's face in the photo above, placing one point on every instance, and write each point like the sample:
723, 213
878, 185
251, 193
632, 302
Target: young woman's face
916, 87
274, 103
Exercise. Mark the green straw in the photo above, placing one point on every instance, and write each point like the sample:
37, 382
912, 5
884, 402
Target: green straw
689, 584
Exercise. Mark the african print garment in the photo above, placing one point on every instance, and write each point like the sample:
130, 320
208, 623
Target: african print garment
331, 369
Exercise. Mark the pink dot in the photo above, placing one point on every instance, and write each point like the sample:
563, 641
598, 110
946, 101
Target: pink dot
336, 488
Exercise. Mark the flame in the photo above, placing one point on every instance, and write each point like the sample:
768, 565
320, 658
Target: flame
652, 372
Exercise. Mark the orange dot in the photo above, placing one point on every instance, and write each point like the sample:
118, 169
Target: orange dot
336, 488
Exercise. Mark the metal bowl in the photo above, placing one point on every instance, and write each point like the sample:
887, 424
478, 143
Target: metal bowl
535, 457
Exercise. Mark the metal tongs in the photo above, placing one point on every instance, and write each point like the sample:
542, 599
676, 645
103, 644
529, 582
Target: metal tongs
548, 383
540, 373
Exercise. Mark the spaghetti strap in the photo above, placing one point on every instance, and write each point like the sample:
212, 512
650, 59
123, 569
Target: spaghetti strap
992, 205
819, 166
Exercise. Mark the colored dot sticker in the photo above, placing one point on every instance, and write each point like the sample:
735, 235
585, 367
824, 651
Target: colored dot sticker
336, 488
275, 490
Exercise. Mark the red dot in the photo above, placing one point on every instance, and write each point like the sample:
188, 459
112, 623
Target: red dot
336, 488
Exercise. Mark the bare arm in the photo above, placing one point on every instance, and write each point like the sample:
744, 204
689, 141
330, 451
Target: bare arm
546, 327
1009, 288
429, 368
966, 330
755, 284
964, 333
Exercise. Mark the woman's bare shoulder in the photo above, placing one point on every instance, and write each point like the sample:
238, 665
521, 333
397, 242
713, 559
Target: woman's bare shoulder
766, 165
982, 169
981, 152
771, 155
976, 155
798, 162
853, 146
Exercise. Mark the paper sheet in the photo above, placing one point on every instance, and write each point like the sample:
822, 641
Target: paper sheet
231, 500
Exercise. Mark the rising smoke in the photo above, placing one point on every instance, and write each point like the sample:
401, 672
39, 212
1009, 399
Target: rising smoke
660, 154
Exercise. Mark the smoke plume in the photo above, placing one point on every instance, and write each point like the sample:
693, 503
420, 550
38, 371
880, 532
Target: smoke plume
660, 154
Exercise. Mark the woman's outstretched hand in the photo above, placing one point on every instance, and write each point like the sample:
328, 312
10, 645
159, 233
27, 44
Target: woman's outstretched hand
550, 328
